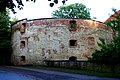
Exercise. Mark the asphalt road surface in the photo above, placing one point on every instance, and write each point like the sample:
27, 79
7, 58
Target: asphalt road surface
21, 73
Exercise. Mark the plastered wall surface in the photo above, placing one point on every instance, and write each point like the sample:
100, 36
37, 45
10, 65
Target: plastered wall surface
53, 39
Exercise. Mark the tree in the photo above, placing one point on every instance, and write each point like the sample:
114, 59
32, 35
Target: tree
72, 11
109, 54
5, 38
11, 4
13, 20
115, 23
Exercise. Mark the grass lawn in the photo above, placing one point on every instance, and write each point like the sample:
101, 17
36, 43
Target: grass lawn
79, 71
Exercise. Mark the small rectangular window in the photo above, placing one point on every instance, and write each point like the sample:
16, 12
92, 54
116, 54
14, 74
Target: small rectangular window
73, 43
22, 28
22, 59
72, 25
22, 44
91, 41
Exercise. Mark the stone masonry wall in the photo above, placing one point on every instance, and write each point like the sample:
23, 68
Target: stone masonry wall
53, 39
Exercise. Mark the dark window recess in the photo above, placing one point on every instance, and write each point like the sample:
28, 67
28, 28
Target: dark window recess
72, 25
72, 58
22, 44
91, 41
22, 28
22, 59
24, 24
73, 43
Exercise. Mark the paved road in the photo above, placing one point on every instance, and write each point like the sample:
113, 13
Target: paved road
21, 73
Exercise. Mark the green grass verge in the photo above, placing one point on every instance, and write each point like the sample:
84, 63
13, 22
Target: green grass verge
79, 71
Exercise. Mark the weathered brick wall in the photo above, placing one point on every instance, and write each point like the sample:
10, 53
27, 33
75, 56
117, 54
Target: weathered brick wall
53, 39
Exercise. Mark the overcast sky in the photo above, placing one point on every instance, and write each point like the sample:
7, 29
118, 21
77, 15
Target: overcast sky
101, 9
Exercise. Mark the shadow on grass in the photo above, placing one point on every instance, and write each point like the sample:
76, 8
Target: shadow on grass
78, 71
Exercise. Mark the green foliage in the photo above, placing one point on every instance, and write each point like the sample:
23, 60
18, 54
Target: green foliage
55, 2
108, 54
72, 25
5, 38
72, 11
14, 19
115, 24
12, 4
